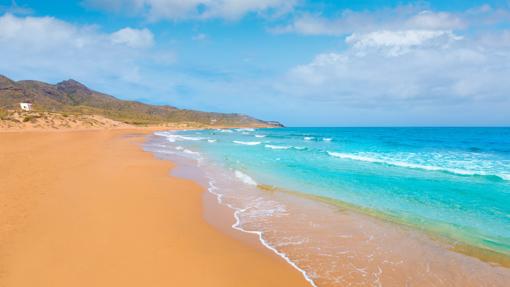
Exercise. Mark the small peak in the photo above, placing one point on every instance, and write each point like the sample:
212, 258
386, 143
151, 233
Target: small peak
72, 85
71, 82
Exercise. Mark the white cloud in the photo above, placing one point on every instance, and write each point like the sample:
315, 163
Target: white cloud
436, 20
398, 42
399, 18
194, 9
133, 38
405, 62
464, 73
49, 49
347, 22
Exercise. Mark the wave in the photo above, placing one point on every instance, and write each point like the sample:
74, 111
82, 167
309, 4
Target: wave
277, 146
212, 141
327, 139
246, 143
190, 152
308, 138
260, 136
224, 131
173, 137
416, 166
245, 130
162, 134
245, 178
237, 226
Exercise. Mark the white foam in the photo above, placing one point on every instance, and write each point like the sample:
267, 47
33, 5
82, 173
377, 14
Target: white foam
260, 136
225, 131
245, 130
308, 138
415, 166
173, 137
245, 178
190, 152
277, 146
211, 141
246, 143
505, 176
327, 139
237, 226
162, 134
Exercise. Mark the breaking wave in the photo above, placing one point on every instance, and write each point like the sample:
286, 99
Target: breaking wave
246, 143
245, 178
277, 146
457, 171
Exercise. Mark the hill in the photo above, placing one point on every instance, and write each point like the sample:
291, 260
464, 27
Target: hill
75, 98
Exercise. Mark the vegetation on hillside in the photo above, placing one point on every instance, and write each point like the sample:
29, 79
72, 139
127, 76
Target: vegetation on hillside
3, 114
72, 97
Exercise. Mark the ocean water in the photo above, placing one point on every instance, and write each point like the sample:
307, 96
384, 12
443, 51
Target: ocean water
449, 183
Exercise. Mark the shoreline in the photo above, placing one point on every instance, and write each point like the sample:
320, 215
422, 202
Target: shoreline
442, 254
228, 220
484, 254
72, 209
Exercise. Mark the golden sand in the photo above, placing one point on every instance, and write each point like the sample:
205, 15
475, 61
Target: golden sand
90, 208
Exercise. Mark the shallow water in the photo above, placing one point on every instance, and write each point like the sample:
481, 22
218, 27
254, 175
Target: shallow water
450, 183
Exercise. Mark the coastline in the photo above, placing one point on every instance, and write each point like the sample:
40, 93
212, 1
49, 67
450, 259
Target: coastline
367, 241
96, 210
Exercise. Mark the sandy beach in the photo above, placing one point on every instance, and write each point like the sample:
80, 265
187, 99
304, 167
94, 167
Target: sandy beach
90, 208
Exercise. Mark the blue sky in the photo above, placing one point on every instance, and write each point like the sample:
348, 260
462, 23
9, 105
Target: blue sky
301, 62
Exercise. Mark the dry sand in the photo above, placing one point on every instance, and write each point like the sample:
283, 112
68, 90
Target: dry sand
90, 208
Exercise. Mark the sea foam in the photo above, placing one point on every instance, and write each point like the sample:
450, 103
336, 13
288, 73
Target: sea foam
246, 143
416, 166
173, 137
245, 178
277, 146
245, 130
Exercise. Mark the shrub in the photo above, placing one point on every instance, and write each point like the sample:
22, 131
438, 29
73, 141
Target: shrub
30, 118
3, 114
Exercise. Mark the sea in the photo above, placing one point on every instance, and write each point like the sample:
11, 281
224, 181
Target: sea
363, 206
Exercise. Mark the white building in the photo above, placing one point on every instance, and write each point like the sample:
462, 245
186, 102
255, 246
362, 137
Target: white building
26, 106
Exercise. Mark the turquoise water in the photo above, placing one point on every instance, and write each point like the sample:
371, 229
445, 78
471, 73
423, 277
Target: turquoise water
451, 181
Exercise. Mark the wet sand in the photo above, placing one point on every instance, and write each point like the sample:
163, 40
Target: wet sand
90, 208
335, 244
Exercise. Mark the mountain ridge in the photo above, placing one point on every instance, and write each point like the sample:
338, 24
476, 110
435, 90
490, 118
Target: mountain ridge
71, 96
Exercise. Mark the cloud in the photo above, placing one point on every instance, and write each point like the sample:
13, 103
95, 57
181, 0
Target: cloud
133, 38
156, 10
404, 62
49, 49
436, 20
398, 18
398, 42
463, 72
